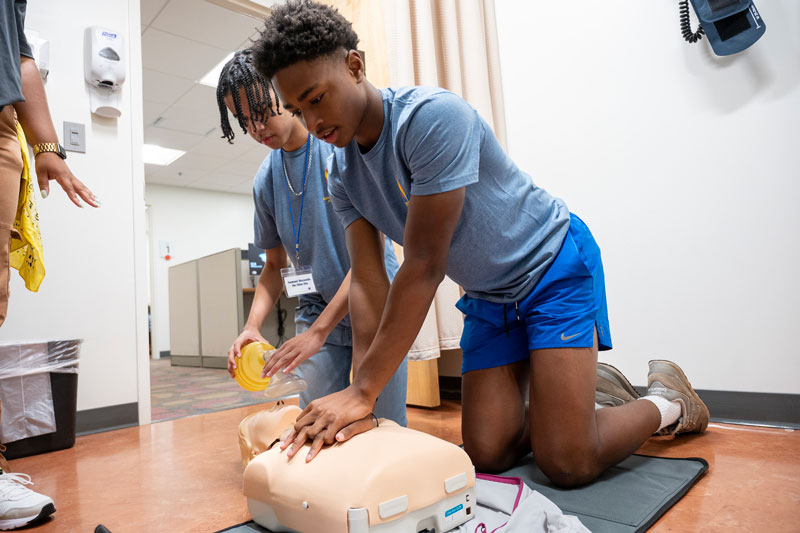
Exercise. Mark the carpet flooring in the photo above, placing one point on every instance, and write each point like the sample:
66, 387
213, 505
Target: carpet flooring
179, 391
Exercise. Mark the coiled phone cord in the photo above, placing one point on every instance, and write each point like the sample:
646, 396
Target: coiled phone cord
686, 27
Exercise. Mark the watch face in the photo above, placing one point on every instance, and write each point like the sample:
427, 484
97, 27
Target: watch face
61, 152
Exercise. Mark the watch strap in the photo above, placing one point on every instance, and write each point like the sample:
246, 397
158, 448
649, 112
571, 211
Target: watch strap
47, 147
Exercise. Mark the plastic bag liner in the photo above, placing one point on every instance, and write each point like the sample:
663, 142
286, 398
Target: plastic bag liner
25, 391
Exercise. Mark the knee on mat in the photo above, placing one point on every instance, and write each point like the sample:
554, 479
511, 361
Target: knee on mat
489, 459
567, 471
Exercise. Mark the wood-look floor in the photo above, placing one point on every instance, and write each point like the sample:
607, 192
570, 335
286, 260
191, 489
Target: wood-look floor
185, 475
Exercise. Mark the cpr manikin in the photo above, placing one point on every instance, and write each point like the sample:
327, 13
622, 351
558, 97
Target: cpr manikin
259, 431
388, 480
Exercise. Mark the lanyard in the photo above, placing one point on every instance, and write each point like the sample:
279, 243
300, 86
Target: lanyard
302, 201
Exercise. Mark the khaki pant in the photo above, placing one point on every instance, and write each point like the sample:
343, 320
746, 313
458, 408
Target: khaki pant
10, 179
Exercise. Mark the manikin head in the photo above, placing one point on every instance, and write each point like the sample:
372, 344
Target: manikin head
259, 431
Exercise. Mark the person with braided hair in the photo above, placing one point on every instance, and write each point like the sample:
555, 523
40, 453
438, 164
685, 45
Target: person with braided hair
294, 216
420, 165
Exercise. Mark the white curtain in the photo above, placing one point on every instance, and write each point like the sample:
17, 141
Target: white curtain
450, 44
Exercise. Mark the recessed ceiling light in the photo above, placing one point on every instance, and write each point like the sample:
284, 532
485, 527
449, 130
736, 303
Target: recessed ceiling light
158, 155
212, 77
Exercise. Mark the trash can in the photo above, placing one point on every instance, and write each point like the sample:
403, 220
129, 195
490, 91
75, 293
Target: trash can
38, 396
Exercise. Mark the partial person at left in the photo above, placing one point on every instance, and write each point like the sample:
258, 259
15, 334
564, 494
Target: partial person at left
25, 118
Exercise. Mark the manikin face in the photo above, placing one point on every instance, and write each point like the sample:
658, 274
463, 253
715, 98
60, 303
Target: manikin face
327, 94
275, 133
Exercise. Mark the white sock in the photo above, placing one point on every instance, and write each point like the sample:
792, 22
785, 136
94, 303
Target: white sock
670, 410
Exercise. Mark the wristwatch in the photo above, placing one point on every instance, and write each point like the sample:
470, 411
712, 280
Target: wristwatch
49, 147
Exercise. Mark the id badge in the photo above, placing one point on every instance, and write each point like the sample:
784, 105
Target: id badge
298, 281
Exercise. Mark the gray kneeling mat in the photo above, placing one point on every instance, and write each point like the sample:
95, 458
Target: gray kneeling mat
628, 497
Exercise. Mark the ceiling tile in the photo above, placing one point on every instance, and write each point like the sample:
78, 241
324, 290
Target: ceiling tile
151, 111
193, 161
151, 170
205, 22
200, 96
149, 9
250, 41
182, 40
163, 88
173, 174
167, 180
171, 139
245, 188
178, 56
198, 120
213, 145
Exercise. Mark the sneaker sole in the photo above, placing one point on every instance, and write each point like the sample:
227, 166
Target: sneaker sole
691, 391
620, 377
15, 523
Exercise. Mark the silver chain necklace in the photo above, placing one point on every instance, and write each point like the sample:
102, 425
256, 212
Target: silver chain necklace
308, 169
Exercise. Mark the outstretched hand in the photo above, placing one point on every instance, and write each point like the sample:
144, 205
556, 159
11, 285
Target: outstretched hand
333, 418
293, 352
49, 166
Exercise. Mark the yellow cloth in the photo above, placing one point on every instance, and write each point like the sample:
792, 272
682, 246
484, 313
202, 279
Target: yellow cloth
26, 239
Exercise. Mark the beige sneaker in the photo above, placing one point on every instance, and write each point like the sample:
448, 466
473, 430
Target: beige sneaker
613, 388
667, 380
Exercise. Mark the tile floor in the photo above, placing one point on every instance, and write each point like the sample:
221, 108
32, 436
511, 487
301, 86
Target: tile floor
185, 475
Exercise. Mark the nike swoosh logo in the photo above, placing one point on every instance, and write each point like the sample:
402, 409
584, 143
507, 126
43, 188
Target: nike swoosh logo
565, 338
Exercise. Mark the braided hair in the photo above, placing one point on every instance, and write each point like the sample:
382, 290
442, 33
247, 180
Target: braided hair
238, 73
301, 30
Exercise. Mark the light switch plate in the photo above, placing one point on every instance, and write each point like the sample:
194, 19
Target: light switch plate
74, 137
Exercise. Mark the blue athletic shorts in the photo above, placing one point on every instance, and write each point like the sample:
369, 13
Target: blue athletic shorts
562, 310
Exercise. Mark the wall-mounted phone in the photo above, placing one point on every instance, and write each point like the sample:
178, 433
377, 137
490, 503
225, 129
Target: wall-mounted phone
730, 25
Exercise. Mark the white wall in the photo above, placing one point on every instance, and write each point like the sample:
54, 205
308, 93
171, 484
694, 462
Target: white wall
196, 223
685, 166
94, 259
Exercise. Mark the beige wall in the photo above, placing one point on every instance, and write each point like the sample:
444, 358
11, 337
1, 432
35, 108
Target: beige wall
367, 19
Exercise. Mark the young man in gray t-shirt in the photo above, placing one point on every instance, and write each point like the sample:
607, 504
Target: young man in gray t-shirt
420, 165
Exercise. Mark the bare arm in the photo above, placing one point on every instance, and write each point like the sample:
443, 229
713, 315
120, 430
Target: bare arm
369, 287
33, 113
34, 116
430, 226
429, 230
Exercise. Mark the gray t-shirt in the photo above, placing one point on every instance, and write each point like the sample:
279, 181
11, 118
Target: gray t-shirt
12, 44
432, 142
322, 241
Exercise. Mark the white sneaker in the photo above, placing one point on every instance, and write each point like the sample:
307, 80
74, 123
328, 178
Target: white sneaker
19, 505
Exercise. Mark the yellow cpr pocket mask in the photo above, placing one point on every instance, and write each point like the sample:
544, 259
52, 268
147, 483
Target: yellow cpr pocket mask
248, 373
